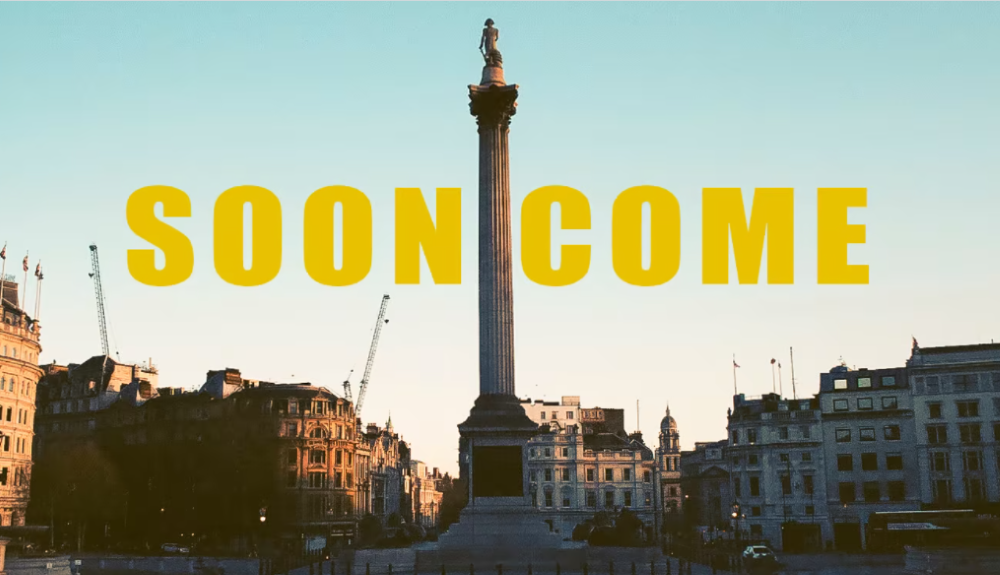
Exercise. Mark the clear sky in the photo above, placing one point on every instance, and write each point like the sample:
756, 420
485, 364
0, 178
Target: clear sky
98, 100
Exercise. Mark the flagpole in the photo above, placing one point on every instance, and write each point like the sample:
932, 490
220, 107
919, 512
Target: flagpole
781, 387
773, 388
3, 275
38, 295
24, 299
792, 357
735, 391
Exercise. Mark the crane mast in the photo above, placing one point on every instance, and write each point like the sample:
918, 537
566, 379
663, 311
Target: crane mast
99, 293
363, 386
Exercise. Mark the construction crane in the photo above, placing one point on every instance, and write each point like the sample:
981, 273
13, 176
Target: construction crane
363, 386
99, 293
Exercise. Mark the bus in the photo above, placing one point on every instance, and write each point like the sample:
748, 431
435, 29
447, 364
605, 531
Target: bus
894, 531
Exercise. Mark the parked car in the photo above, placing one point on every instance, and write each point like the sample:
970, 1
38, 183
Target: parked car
759, 557
174, 548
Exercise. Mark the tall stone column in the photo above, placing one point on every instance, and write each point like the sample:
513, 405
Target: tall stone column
493, 103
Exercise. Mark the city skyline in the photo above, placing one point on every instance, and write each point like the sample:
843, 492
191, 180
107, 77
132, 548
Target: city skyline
103, 100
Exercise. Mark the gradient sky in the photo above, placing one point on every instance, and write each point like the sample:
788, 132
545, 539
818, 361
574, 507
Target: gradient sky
98, 100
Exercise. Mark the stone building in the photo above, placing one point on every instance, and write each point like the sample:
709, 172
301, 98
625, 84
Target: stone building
19, 374
776, 457
579, 469
387, 483
868, 442
426, 495
668, 467
956, 406
707, 487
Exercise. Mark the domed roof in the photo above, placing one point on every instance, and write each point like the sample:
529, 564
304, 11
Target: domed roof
668, 423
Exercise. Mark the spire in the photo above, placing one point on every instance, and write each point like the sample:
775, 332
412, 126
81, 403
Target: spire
668, 409
388, 424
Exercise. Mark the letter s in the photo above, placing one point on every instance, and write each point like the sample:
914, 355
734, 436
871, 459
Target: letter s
177, 250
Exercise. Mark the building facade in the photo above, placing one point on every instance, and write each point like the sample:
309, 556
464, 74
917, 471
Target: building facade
19, 374
707, 487
956, 404
579, 469
387, 482
869, 449
426, 495
777, 459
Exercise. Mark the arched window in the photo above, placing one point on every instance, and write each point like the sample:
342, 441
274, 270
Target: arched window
317, 433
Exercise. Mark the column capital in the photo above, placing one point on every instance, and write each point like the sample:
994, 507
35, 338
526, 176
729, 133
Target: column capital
493, 105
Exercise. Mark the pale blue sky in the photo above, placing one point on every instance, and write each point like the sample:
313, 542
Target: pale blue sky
97, 100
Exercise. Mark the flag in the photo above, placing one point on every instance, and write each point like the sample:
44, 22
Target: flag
25, 263
3, 252
38, 270
735, 364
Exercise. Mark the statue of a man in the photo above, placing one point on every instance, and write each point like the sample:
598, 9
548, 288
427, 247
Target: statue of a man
488, 44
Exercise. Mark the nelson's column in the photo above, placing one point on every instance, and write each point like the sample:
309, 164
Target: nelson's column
499, 516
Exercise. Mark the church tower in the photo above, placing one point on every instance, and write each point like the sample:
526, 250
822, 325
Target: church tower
668, 461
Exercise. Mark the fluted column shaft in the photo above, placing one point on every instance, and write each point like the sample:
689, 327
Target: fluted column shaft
493, 107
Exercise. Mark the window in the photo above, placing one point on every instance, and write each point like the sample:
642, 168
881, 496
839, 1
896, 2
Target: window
752, 459
569, 415
755, 511
317, 480
786, 485
889, 402
755, 487
806, 457
338, 480
845, 462
338, 458
804, 430
548, 452
548, 474
996, 432
969, 433
565, 498
888, 381
869, 462
783, 457
897, 490
543, 416
751, 436
967, 408
933, 384
891, 432
565, 452
807, 484
609, 499
591, 498
565, 474
555, 415
972, 461
840, 405
939, 461
317, 456
647, 476
964, 382
609, 474
783, 433
942, 490
934, 410
864, 382
840, 384
871, 491
893, 461
973, 489
846, 492
626, 474
293, 457
864, 403
532, 452
736, 437
937, 434
548, 498
866, 434
628, 498
843, 435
